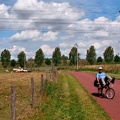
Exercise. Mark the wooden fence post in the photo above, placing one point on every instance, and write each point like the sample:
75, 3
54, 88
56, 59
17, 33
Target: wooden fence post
46, 81
33, 91
46, 75
52, 74
42, 85
13, 102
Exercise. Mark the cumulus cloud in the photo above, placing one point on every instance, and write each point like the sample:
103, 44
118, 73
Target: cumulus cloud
63, 45
49, 36
46, 10
26, 35
4, 15
40, 21
31, 14
34, 35
15, 50
4, 11
47, 50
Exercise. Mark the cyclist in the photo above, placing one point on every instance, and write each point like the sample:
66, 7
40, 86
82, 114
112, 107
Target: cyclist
101, 76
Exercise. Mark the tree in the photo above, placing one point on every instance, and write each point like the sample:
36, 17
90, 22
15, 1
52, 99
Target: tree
56, 57
64, 59
39, 57
116, 59
22, 59
47, 61
5, 58
91, 55
108, 54
73, 56
99, 60
12, 63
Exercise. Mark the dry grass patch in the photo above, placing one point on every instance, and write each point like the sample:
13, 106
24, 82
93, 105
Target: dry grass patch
22, 81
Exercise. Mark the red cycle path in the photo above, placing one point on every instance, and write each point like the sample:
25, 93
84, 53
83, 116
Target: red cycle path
111, 106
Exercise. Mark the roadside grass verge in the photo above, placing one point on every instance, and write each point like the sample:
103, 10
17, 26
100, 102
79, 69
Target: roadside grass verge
117, 76
66, 99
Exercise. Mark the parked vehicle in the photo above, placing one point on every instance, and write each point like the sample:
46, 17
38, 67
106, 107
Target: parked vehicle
19, 70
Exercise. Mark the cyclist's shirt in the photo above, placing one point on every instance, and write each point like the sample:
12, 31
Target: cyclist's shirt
100, 75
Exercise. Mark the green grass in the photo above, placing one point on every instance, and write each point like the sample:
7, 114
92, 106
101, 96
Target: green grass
67, 99
117, 76
64, 99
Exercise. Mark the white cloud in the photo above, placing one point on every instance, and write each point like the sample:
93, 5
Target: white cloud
26, 35
33, 14
101, 19
63, 45
47, 50
101, 33
66, 52
41, 21
118, 19
67, 37
49, 36
4, 11
34, 35
47, 10
97, 45
15, 50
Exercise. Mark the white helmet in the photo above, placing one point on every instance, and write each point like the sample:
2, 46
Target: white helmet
100, 68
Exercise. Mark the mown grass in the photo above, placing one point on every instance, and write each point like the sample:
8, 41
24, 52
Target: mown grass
67, 99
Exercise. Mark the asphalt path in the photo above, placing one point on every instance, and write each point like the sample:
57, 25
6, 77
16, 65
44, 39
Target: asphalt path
111, 106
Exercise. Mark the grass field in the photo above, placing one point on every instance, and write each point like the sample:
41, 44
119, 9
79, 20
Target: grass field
22, 81
109, 68
68, 100
64, 99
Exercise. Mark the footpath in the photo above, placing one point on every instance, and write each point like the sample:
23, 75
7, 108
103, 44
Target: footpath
111, 106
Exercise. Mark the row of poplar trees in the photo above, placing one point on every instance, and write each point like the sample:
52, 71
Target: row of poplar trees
57, 58
108, 56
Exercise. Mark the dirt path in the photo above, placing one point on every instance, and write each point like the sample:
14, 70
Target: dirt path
112, 107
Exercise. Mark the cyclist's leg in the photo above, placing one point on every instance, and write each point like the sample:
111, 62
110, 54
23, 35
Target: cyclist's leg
103, 81
109, 77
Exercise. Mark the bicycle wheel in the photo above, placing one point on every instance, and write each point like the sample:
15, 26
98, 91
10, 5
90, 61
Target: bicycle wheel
110, 93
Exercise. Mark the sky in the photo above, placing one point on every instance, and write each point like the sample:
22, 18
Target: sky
28, 25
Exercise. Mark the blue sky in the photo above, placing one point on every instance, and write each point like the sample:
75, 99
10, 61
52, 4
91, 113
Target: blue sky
27, 25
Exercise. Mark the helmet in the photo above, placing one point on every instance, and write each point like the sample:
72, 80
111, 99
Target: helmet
100, 68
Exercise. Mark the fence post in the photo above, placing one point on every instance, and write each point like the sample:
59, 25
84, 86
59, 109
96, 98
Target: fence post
53, 74
50, 74
13, 102
46, 81
52, 77
33, 91
46, 75
42, 85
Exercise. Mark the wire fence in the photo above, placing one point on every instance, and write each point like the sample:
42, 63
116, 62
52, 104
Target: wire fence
35, 91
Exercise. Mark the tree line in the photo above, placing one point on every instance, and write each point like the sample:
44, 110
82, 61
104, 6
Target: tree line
57, 58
